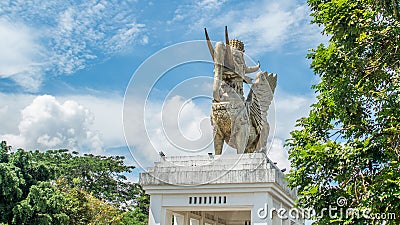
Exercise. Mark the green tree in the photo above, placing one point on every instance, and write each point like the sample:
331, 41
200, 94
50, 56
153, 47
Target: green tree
85, 209
11, 182
19, 171
103, 176
349, 145
58, 187
44, 205
140, 213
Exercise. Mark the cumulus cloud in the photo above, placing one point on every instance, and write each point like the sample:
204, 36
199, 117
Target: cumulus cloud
47, 123
11, 106
176, 127
60, 37
182, 127
107, 114
288, 109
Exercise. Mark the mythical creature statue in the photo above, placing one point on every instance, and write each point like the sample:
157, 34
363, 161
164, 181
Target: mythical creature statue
241, 123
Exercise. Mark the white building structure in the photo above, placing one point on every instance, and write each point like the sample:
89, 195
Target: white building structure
219, 190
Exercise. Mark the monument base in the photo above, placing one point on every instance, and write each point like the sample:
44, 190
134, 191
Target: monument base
218, 190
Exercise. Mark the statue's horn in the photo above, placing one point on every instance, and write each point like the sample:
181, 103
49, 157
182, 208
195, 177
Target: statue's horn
210, 47
229, 62
226, 35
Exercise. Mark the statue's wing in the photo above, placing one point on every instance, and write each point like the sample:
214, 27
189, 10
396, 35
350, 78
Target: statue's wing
260, 98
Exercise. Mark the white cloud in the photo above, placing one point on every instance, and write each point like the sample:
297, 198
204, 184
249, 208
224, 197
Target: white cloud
274, 25
210, 4
145, 40
279, 154
107, 116
182, 127
11, 106
21, 57
198, 13
60, 37
285, 111
288, 109
47, 123
263, 25
101, 132
106, 26
177, 127
88, 122
106, 113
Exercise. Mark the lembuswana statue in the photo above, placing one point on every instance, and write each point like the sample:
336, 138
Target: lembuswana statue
240, 122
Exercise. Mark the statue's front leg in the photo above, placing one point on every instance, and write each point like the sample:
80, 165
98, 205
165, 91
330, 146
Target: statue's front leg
241, 140
241, 131
218, 142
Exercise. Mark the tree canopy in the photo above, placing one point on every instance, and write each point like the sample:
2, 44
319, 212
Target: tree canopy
59, 187
348, 147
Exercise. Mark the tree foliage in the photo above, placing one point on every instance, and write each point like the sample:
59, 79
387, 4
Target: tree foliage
44, 205
100, 175
349, 145
59, 187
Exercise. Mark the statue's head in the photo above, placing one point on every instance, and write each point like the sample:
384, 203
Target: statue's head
237, 44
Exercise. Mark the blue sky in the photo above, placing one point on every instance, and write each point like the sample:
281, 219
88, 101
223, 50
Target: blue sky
65, 67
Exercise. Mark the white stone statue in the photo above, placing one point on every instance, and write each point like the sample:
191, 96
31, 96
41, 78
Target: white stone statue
241, 123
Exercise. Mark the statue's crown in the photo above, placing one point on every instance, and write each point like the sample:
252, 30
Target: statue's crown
237, 44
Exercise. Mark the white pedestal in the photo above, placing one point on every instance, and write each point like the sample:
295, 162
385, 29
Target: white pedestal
219, 190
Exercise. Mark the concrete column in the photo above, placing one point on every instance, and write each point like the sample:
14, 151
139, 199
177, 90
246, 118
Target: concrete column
187, 218
180, 219
164, 217
155, 210
202, 218
168, 217
260, 213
